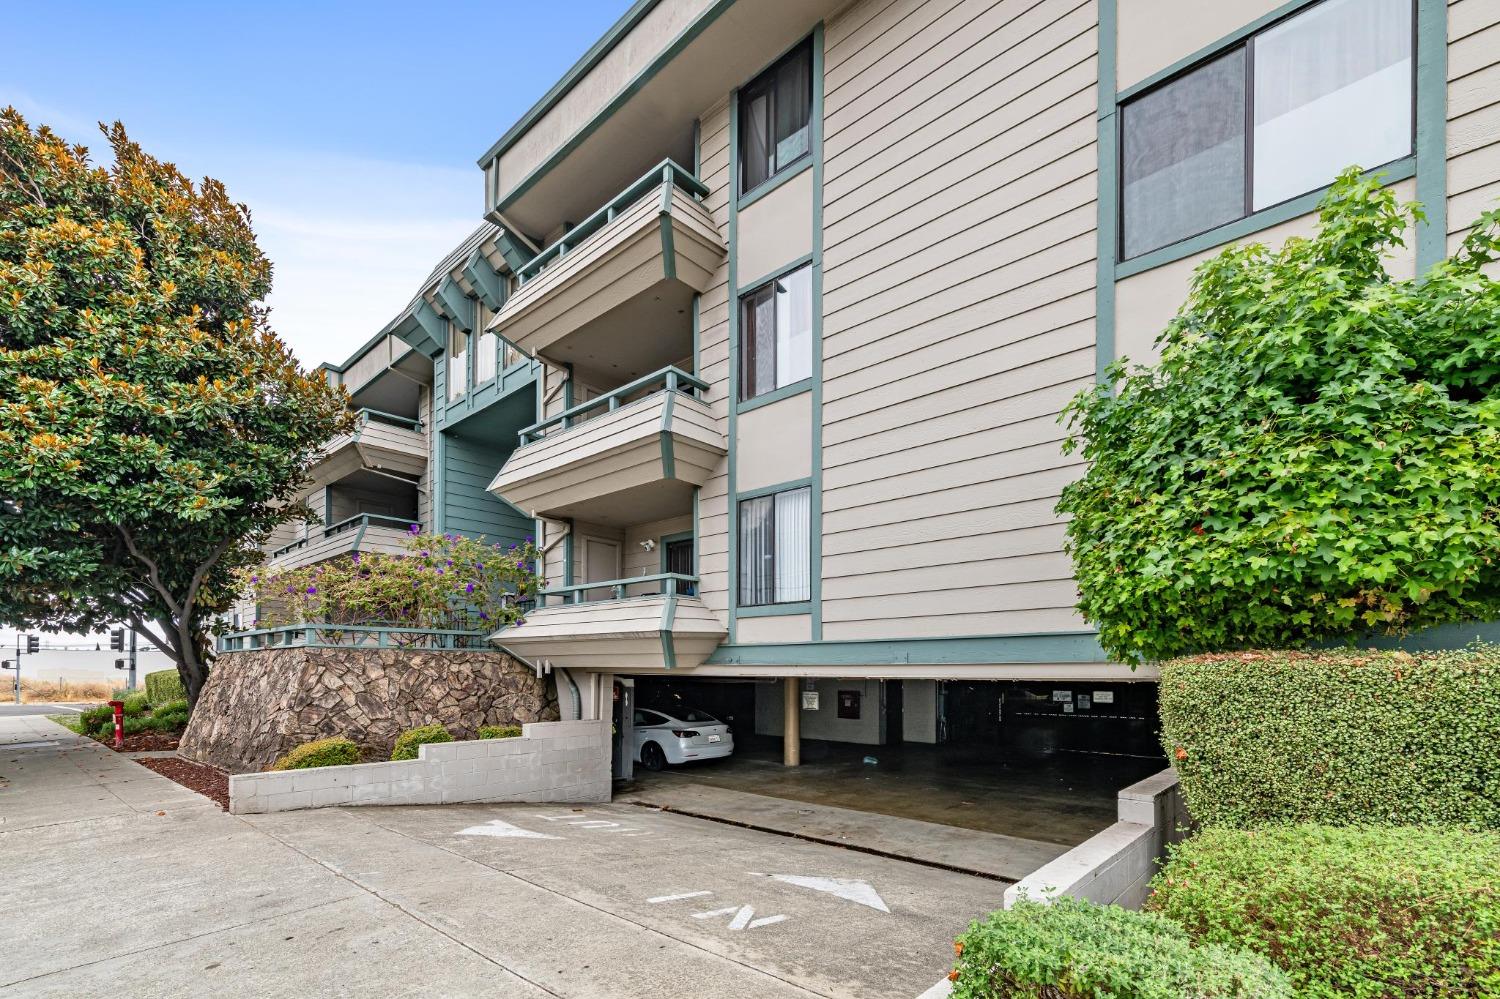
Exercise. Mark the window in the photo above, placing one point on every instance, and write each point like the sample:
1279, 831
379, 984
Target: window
1274, 117
774, 556
458, 361
776, 118
487, 349
776, 334
509, 355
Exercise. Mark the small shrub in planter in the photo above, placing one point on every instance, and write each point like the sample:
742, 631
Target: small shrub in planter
90, 720
1371, 911
164, 685
408, 741
319, 753
136, 704
500, 732
163, 720
1073, 949
1341, 738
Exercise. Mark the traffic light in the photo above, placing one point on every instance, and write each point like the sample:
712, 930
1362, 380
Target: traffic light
117, 639
119, 664
33, 644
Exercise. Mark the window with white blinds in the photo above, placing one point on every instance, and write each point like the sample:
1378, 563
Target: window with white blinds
458, 362
774, 554
485, 357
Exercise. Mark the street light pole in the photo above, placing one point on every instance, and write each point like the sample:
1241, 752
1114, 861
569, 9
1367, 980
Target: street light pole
131, 685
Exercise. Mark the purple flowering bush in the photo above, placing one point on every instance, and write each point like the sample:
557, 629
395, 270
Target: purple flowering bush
441, 582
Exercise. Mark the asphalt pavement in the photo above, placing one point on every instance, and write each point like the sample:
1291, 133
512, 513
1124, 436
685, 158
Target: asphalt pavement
10, 709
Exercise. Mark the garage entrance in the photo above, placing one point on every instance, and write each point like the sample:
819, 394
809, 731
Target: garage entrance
1040, 761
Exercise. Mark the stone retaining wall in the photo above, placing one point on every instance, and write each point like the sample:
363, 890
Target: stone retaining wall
259, 704
551, 761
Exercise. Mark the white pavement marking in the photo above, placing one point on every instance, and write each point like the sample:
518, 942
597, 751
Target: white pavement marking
743, 917
64, 707
658, 900
496, 827
859, 892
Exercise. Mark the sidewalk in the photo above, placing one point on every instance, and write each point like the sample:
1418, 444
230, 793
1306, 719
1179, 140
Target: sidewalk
116, 881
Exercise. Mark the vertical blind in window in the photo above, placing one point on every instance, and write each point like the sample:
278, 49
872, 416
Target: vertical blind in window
458, 362
773, 548
485, 356
775, 119
1333, 86
776, 334
1324, 89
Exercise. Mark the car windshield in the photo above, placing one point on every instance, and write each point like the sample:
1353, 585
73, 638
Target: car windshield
691, 715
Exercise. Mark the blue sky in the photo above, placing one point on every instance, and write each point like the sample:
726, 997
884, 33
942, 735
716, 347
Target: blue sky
350, 129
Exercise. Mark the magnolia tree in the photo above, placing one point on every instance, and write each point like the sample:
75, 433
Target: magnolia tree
153, 430
1317, 456
441, 581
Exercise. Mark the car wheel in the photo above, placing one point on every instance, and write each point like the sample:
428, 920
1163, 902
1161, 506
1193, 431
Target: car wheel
653, 757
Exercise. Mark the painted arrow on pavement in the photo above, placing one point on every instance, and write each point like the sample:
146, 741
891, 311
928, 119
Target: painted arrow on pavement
858, 892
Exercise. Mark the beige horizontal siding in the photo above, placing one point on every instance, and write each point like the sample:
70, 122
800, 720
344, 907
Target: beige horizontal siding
960, 235
1473, 113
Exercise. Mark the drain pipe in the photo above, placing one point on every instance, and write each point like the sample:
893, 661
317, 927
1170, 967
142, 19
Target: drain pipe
577, 698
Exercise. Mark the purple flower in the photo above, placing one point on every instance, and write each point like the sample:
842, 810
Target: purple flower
469, 588
414, 529
483, 616
254, 579
312, 589
439, 572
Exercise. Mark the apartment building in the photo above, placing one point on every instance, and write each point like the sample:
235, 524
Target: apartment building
777, 302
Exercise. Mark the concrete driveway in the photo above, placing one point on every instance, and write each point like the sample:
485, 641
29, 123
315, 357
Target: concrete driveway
114, 879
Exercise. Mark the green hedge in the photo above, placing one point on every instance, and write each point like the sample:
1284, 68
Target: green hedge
1341, 738
408, 742
1347, 911
500, 732
164, 685
1076, 950
320, 753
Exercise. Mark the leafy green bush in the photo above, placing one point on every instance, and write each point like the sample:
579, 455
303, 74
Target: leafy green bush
164, 685
319, 753
1336, 737
1317, 455
1347, 911
439, 576
136, 704
90, 720
174, 707
163, 720
408, 741
499, 731
1073, 949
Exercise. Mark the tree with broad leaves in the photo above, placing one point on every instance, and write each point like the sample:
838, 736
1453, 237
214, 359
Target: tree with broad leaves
153, 429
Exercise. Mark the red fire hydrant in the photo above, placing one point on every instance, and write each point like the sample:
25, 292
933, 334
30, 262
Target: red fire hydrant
119, 707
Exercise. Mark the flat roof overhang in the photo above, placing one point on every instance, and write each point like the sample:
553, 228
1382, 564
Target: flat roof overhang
650, 117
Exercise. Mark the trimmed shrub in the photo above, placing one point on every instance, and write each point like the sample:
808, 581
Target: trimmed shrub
90, 720
1073, 949
408, 741
500, 732
136, 704
1341, 738
164, 685
319, 753
162, 720
1347, 911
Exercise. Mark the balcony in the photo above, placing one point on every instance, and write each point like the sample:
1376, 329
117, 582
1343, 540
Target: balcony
627, 457
623, 634
382, 441
620, 278
366, 532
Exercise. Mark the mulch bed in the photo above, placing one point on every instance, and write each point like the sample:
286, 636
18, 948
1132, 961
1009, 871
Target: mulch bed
211, 782
146, 742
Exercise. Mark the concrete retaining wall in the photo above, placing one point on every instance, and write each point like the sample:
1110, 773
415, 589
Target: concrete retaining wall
550, 761
1117, 865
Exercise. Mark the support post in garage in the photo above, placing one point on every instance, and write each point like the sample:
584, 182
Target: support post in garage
791, 750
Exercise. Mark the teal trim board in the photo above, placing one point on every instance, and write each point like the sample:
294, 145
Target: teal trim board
780, 487
733, 388
668, 456
766, 187
776, 395
815, 501
777, 610
1060, 647
784, 269
1109, 191
1432, 131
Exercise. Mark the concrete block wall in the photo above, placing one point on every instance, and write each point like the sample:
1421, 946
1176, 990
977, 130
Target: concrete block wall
550, 761
1117, 865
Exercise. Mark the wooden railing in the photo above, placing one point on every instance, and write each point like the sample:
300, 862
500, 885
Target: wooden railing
574, 593
670, 379
357, 522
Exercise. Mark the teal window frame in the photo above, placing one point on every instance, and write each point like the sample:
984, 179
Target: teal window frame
774, 607
1254, 220
782, 172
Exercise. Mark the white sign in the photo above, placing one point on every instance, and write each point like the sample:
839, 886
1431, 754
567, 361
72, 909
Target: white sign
809, 700
1063, 696
1104, 697
1083, 702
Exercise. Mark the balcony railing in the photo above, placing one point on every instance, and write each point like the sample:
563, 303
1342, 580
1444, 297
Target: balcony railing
574, 594
354, 636
377, 416
358, 522
669, 379
665, 172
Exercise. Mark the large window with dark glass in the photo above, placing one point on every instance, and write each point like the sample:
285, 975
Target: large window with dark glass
775, 558
1272, 118
776, 118
776, 334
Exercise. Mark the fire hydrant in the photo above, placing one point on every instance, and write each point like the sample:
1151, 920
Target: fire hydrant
119, 707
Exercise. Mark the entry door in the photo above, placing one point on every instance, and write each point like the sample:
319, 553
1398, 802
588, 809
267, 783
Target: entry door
894, 708
601, 561
680, 559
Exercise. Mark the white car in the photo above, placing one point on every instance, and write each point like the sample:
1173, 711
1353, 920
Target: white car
681, 737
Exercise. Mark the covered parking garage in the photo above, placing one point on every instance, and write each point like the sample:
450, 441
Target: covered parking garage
1035, 761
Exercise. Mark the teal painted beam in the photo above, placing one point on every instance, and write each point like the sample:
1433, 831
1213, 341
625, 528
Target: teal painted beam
435, 328
482, 276
515, 253
458, 306
1432, 131
1109, 192
1063, 647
